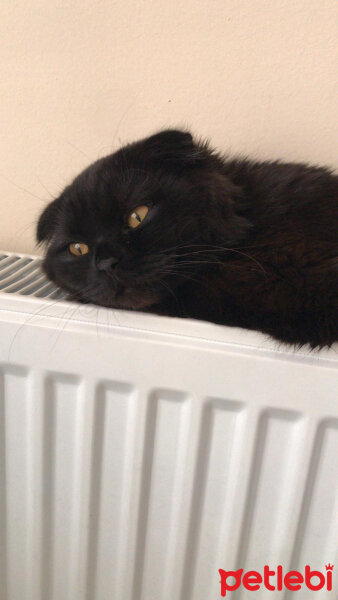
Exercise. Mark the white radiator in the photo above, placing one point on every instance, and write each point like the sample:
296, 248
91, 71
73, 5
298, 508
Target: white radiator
140, 454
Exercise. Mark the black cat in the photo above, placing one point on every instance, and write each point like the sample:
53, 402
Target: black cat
167, 225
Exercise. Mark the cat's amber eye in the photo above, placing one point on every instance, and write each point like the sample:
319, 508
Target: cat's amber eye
78, 249
137, 216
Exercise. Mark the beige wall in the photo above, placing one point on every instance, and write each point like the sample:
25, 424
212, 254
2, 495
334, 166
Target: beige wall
80, 77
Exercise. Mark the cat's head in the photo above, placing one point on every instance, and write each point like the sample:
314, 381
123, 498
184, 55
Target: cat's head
132, 227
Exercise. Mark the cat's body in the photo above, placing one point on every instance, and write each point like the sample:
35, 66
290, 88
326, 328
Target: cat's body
235, 242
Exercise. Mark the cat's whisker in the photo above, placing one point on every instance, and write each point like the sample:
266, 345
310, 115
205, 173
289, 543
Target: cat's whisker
211, 249
64, 325
20, 187
206, 246
218, 250
78, 150
184, 275
165, 285
45, 188
34, 314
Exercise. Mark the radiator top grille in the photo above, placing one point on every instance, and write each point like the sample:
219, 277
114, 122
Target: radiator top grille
23, 275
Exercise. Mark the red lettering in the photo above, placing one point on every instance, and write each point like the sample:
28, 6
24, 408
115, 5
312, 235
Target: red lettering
252, 580
308, 576
267, 574
293, 580
225, 586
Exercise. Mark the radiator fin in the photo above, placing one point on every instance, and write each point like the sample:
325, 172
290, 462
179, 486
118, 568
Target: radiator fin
13, 459
167, 435
320, 503
270, 501
62, 408
109, 488
213, 497
23, 275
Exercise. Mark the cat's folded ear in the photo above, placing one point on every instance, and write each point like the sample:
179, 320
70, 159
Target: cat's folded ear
172, 146
46, 223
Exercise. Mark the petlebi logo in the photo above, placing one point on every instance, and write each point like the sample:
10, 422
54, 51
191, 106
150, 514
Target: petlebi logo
276, 579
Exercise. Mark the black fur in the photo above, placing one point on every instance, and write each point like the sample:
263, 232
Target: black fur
233, 241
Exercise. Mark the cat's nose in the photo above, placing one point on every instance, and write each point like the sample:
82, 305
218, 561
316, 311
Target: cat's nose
106, 264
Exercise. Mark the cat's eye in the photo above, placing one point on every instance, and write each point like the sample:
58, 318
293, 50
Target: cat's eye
137, 216
78, 249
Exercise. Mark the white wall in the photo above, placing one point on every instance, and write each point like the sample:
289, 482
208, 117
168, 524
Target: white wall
80, 77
